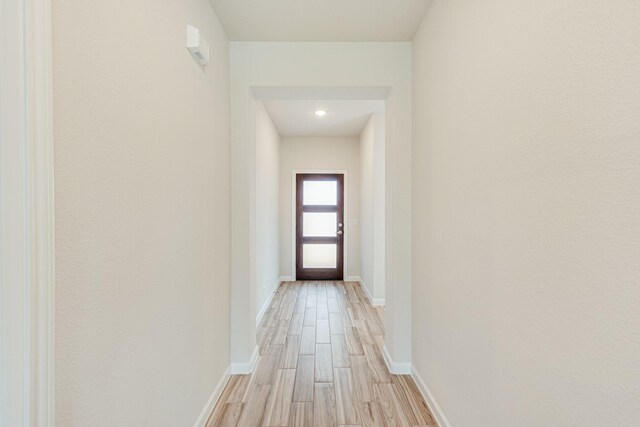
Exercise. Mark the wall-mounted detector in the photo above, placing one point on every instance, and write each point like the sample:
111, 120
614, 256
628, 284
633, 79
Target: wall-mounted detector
197, 45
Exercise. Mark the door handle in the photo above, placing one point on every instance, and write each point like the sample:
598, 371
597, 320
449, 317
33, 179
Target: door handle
339, 231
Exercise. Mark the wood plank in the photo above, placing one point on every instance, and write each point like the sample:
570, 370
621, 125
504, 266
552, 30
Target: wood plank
390, 408
416, 403
339, 353
362, 378
301, 300
308, 342
279, 402
363, 332
374, 325
324, 406
332, 304
227, 415
380, 314
235, 389
371, 414
310, 316
322, 331
324, 365
301, 304
312, 287
253, 410
403, 405
312, 298
267, 366
301, 414
287, 311
295, 327
379, 371
346, 319
303, 388
351, 293
331, 290
322, 310
352, 311
354, 345
379, 339
289, 358
346, 404
271, 316
322, 291
280, 334
335, 323
264, 336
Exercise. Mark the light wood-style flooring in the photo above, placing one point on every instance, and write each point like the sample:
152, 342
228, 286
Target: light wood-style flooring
321, 364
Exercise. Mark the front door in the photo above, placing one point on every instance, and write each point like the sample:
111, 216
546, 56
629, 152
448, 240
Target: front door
319, 226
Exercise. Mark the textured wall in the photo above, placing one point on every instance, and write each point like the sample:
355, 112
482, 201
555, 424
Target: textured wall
526, 203
267, 207
142, 212
366, 205
372, 212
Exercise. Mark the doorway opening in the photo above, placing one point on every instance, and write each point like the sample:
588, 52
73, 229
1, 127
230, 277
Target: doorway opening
345, 238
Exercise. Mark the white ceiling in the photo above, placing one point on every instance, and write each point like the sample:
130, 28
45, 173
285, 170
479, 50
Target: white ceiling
323, 20
344, 118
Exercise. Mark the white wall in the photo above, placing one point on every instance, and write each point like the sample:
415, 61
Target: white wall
366, 203
325, 66
318, 154
372, 226
267, 208
525, 206
142, 213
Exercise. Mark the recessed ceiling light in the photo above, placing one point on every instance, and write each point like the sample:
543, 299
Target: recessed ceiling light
321, 113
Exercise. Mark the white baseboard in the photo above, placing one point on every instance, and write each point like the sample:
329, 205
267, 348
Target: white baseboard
213, 399
376, 302
395, 368
267, 303
287, 279
428, 397
246, 368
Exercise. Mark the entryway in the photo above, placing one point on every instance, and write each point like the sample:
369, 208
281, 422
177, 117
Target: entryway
319, 226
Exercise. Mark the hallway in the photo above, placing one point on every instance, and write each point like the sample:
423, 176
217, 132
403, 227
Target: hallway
252, 213
321, 364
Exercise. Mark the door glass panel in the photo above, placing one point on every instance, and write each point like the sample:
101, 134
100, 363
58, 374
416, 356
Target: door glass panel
320, 193
319, 224
319, 256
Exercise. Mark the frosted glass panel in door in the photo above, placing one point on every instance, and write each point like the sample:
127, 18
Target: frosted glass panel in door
319, 224
320, 193
319, 256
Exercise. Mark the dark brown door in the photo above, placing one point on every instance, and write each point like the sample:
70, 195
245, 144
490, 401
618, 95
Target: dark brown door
319, 226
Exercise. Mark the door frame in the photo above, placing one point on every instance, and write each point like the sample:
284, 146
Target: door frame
345, 240
336, 273
27, 251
